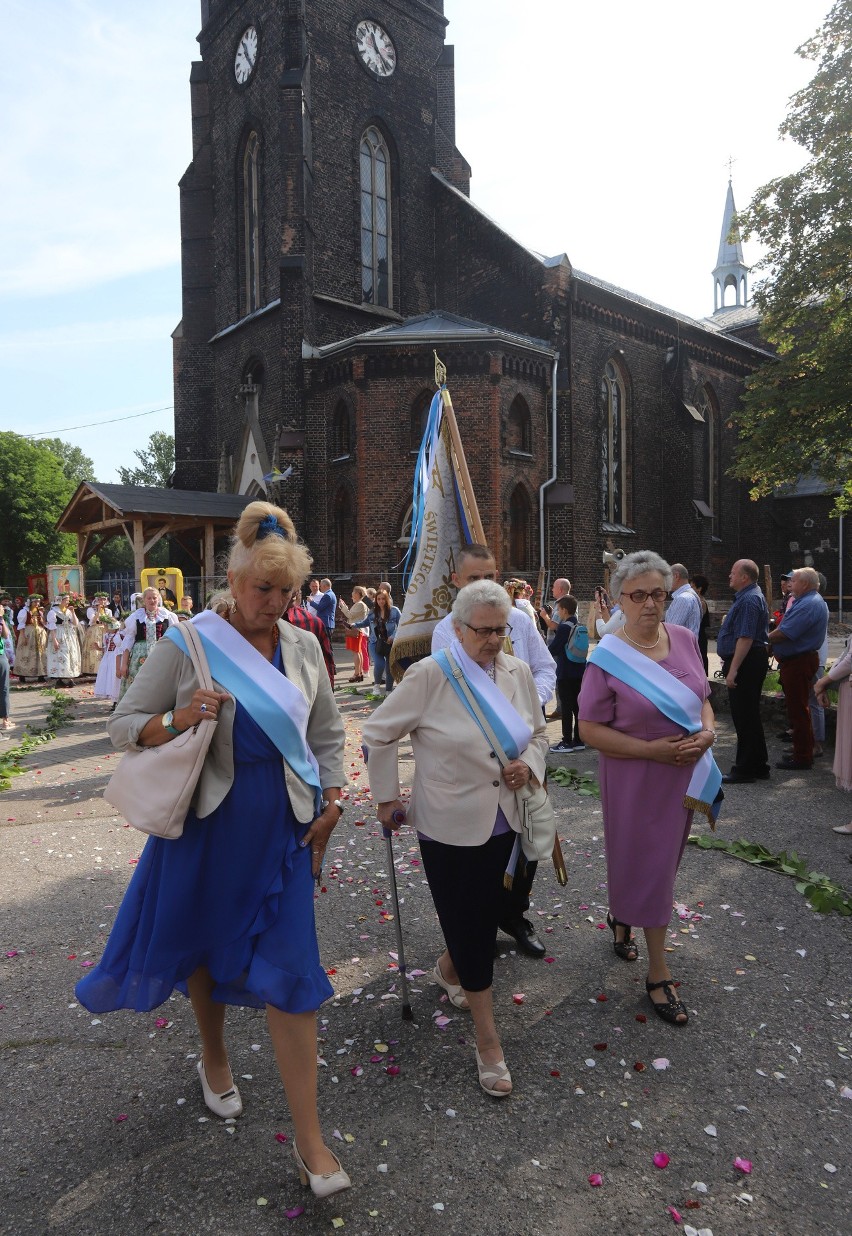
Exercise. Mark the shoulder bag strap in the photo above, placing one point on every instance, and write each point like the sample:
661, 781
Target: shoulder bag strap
195, 648
475, 709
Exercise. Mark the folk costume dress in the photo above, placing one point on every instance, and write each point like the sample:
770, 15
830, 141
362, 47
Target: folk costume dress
99, 621
235, 892
31, 644
140, 635
646, 819
107, 683
63, 644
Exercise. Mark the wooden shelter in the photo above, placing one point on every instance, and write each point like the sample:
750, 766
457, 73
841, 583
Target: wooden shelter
192, 518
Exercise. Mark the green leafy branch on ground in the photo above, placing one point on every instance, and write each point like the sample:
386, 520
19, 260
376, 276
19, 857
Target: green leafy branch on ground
583, 784
58, 715
821, 893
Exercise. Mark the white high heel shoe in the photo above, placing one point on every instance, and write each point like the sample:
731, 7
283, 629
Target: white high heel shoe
227, 1105
322, 1186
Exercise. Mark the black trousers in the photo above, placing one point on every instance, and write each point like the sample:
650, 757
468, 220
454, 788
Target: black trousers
752, 757
466, 883
568, 691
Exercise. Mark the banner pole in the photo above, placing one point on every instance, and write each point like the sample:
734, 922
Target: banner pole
458, 450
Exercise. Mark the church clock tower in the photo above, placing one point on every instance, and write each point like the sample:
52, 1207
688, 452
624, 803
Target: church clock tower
306, 219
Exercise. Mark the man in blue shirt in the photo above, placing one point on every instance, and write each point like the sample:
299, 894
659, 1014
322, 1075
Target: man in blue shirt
685, 608
326, 606
796, 643
742, 645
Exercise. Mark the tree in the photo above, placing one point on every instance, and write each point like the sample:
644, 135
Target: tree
797, 409
35, 492
156, 463
76, 466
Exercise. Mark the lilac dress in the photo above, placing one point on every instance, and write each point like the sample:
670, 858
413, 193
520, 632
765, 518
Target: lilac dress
645, 822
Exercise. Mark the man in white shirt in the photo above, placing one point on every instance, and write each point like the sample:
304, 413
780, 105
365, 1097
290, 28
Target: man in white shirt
476, 562
685, 607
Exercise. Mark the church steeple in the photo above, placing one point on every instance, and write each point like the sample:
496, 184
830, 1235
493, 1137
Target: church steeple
731, 271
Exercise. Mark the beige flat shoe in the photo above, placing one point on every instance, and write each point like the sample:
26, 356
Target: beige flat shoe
322, 1186
457, 997
842, 828
489, 1074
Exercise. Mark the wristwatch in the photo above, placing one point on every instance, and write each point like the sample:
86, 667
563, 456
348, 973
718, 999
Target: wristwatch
168, 723
341, 806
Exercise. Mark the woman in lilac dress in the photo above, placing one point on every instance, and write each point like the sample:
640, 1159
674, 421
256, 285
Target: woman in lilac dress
647, 762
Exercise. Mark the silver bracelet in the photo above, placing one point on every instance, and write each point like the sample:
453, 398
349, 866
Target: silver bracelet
709, 731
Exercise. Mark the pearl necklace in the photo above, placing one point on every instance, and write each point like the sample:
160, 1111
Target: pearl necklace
647, 647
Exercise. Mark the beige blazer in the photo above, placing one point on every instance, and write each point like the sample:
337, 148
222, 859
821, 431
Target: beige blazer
457, 782
168, 680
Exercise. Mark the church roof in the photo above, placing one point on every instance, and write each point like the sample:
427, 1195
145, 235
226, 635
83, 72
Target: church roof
734, 317
435, 327
710, 325
730, 252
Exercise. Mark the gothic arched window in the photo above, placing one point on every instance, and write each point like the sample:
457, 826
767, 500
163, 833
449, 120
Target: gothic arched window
343, 532
249, 215
705, 402
520, 530
341, 432
376, 282
519, 427
613, 457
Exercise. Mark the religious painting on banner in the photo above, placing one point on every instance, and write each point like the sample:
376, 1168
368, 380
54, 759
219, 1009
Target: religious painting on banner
167, 580
444, 518
63, 580
37, 585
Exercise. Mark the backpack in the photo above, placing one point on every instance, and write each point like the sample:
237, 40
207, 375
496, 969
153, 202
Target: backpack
577, 648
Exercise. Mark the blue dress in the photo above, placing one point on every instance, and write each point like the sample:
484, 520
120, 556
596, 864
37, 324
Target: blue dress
234, 893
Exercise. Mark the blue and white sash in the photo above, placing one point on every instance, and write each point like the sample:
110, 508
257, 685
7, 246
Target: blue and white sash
275, 703
505, 720
675, 701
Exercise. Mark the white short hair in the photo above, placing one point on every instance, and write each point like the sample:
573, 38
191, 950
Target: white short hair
482, 592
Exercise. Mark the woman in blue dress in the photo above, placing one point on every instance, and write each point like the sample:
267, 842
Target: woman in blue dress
225, 913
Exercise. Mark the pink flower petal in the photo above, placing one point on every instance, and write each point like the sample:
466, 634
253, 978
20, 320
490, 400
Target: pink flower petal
119, 1119
742, 1165
661, 1159
595, 1180
675, 1214
661, 1063
281, 1137
519, 997
294, 1212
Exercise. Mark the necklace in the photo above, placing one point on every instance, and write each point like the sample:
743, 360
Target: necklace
647, 647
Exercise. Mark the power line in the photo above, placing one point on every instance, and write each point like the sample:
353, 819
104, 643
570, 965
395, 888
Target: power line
45, 433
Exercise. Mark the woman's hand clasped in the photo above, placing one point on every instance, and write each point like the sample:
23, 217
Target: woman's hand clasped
318, 834
681, 752
516, 774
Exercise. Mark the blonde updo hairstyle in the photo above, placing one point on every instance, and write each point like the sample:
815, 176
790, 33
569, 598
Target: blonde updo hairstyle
257, 548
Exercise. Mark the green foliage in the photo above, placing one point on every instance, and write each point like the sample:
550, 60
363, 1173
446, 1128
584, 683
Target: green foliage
76, 466
58, 715
156, 463
35, 492
797, 413
821, 893
583, 784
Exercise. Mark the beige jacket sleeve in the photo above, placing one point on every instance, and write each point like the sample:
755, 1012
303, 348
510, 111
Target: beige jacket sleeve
167, 680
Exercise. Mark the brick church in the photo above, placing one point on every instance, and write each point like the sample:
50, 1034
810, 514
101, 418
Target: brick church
330, 243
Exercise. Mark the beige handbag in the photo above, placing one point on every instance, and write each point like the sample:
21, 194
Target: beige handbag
153, 787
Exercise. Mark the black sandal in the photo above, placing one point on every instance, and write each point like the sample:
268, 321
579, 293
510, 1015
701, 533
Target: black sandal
673, 1008
627, 949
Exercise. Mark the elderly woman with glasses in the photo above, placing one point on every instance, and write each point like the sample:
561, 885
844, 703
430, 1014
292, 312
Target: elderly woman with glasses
462, 805
644, 706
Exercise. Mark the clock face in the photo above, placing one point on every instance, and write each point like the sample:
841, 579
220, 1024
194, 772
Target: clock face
375, 47
246, 55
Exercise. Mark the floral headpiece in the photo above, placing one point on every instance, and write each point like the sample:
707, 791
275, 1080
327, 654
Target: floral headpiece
269, 526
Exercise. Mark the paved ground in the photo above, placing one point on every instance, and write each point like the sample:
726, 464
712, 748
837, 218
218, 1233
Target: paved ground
104, 1131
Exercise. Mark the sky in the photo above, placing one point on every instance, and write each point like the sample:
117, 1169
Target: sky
602, 131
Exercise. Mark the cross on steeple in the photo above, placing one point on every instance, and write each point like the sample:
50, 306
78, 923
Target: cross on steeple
729, 164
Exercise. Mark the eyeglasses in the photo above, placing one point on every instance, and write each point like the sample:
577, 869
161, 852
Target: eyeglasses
484, 632
639, 597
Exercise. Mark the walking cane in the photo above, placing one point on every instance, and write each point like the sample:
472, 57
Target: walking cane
407, 1015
